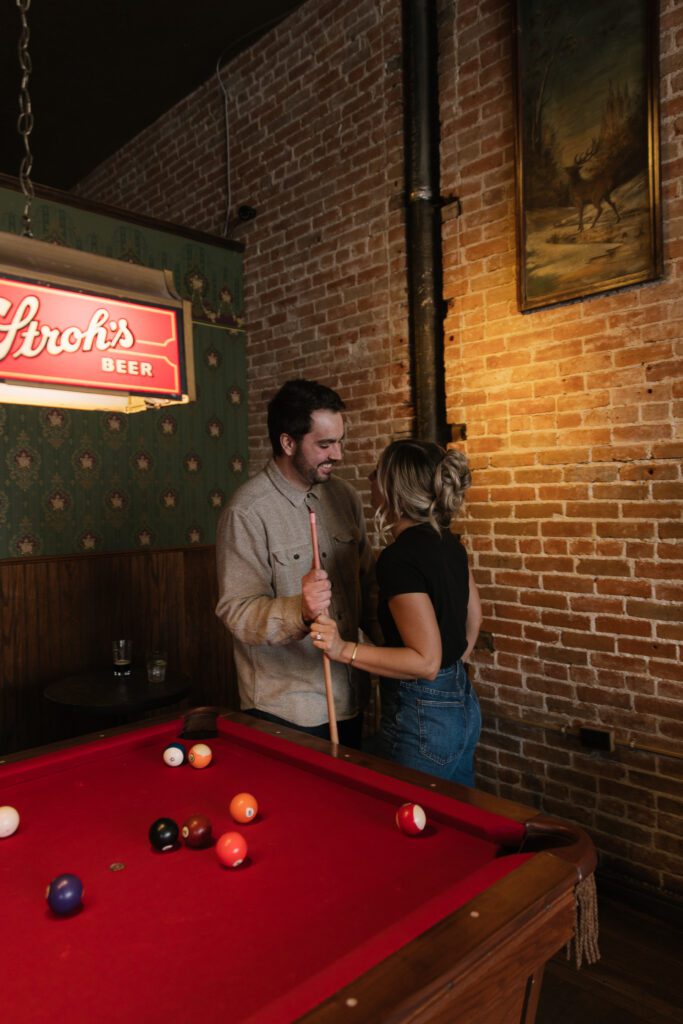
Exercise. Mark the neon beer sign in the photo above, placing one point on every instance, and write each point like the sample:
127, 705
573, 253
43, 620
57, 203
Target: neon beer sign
51, 335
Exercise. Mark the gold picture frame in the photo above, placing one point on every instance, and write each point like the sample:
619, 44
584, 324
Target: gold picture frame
588, 206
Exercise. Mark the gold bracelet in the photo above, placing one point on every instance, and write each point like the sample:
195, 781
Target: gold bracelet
353, 656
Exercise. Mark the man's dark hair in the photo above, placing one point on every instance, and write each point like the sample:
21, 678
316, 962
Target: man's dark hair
289, 411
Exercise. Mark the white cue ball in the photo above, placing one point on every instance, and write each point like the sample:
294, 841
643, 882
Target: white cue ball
9, 821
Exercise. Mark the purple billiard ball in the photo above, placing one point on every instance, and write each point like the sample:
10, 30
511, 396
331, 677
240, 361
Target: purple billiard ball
64, 894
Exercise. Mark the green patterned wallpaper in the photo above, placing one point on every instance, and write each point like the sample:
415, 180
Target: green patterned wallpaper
76, 482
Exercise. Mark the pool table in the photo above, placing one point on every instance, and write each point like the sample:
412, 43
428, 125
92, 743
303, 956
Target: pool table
335, 915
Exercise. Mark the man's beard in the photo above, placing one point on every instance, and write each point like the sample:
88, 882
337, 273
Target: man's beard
310, 474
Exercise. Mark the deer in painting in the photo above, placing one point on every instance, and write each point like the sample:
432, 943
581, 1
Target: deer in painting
591, 191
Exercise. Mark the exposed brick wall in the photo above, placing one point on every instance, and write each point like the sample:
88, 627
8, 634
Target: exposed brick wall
574, 425
573, 413
316, 148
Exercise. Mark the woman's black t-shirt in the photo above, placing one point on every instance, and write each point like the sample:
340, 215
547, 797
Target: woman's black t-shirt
422, 561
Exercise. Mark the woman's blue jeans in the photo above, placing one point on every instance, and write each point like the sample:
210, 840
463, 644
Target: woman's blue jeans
432, 725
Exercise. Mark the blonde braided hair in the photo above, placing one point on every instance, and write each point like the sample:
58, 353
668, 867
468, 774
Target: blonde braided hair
421, 481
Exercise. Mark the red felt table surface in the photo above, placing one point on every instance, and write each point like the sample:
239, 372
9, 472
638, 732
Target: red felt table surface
330, 887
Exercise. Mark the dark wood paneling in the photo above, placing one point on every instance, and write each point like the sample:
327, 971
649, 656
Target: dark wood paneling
208, 643
58, 616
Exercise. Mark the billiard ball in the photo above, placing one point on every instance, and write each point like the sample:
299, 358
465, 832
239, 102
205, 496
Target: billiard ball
231, 849
243, 808
174, 755
200, 755
9, 821
64, 894
196, 831
411, 819
163, 834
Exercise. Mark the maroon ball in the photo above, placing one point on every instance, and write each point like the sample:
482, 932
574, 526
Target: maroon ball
196, 831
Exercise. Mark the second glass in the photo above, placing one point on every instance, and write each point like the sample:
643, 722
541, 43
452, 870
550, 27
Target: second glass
156, 666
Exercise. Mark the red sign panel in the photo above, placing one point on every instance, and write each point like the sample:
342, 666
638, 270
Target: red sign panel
70, 339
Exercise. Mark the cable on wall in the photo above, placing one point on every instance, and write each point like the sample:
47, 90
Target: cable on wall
245, 212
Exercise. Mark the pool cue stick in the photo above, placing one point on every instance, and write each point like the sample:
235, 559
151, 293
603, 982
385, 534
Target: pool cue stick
331, 713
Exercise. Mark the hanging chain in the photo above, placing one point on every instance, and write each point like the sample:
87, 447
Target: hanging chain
25, 122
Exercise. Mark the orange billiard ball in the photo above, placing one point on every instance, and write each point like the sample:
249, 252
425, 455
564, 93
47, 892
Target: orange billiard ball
231, 849
243, 808
200, 755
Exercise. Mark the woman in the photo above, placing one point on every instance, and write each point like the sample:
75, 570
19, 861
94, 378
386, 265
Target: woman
429, 610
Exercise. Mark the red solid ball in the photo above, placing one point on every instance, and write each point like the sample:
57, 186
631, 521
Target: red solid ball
411, 819
231, 849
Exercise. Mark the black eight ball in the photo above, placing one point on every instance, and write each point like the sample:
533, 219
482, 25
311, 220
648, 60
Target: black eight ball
163, 834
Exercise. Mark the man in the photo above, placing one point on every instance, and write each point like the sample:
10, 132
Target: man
268, 592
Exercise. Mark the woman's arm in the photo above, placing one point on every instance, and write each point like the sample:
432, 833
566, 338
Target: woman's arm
474, 617
419, 658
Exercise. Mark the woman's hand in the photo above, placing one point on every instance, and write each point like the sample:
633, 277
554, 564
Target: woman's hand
325, 637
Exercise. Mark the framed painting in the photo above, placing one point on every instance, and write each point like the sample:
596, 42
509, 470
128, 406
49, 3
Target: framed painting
587, 148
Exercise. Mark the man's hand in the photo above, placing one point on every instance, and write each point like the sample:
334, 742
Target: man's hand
316, 594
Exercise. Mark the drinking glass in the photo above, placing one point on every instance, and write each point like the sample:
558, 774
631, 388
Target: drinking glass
122, 655
156, 666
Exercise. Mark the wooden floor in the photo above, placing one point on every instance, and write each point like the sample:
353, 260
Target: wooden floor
638, 980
